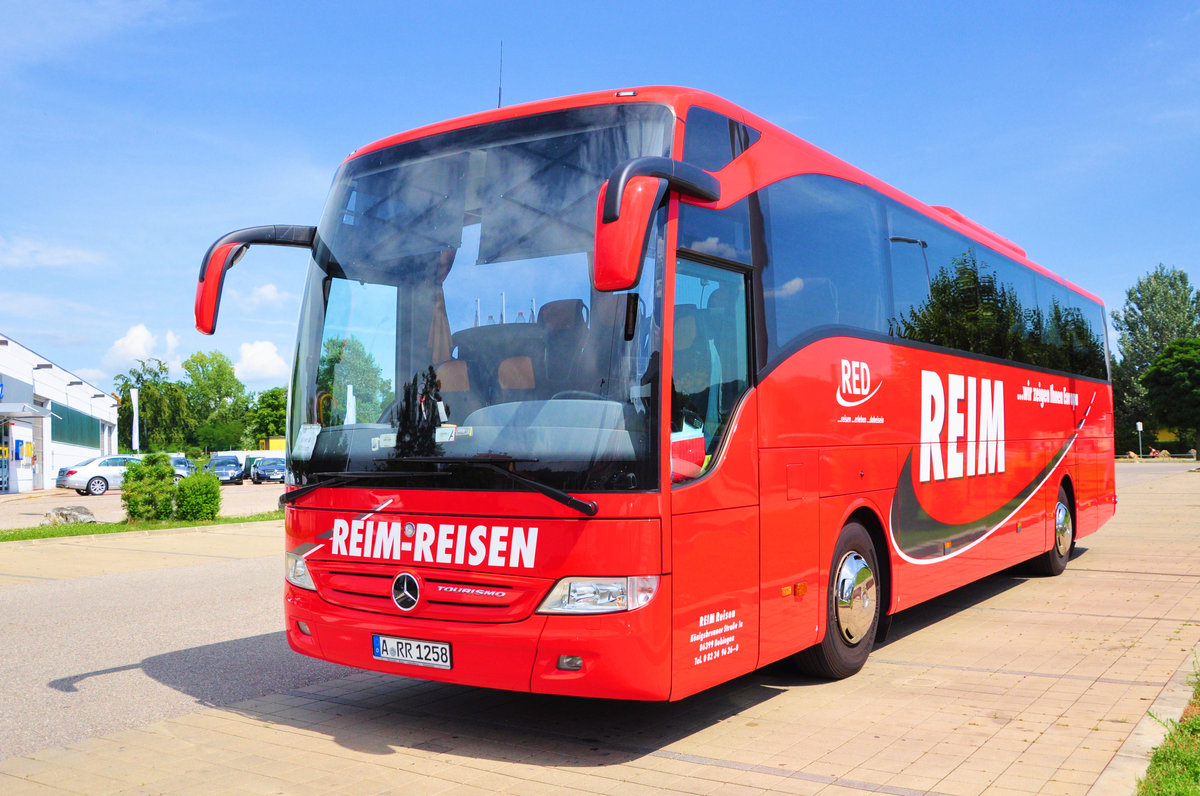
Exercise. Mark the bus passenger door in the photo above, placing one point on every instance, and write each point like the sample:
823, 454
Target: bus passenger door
714, 498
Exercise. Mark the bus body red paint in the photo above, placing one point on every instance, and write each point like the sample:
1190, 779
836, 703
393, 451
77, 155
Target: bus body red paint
949, 440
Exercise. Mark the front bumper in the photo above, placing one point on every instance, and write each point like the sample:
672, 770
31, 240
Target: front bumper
626, 655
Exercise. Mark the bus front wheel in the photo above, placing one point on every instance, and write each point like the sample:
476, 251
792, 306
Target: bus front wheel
1054, 561
852, 608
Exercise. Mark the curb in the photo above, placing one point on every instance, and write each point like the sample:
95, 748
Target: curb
1131, 761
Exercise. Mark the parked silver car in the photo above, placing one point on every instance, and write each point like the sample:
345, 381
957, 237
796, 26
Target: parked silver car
95, 476
183, 467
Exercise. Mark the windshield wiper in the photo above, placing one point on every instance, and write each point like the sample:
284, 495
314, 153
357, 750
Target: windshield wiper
341, 479
587, 507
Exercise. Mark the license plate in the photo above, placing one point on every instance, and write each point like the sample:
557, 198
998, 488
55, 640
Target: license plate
411, 650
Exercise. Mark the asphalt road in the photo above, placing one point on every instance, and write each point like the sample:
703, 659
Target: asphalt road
87, 656
90, 655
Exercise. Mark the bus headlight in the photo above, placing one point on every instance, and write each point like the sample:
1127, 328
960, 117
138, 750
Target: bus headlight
599, 595
296, 572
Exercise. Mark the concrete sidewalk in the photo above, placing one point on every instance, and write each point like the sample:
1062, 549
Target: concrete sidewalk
1008, 686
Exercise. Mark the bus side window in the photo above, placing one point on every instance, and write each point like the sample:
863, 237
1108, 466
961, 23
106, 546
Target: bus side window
710, 369
827, 264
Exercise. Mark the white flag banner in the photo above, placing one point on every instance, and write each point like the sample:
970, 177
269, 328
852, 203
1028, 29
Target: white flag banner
133, 397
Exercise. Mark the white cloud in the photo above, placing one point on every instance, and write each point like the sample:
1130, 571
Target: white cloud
26, 253
268, 295
259, 360
172, 344
137, 343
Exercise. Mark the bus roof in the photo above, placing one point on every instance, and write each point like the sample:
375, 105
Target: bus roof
777, 154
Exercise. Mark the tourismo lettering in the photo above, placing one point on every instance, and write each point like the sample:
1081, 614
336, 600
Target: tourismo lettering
493, 545
962, 425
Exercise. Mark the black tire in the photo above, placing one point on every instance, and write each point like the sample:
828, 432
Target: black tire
97, 486
1054, 561
849, 629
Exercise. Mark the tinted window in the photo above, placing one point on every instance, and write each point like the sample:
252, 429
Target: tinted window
840, 254
712, 140
73, 427
827, 261
718, 233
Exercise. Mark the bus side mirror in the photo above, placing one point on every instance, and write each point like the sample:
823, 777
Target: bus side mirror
625, 208
225, 253
621, 243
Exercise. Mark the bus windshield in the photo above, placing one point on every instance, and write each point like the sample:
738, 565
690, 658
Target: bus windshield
449, 313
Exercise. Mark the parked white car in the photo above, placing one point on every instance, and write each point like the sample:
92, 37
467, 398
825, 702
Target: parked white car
95, 476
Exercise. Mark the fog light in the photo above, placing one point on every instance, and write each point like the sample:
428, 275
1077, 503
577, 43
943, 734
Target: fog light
303, 627
570, 663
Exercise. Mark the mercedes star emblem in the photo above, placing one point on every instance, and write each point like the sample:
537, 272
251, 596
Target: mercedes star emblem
406, 590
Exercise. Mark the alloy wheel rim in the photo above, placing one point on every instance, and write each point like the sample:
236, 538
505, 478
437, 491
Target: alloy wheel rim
1063, 530
854, 597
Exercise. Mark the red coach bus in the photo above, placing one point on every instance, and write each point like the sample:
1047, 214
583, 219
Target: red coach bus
630, 393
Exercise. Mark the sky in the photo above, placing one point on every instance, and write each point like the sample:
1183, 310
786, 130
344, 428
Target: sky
133, 133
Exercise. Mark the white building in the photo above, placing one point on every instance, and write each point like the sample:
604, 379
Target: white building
49, 418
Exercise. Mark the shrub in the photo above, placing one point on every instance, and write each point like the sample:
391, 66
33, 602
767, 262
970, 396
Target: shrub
148, 492
198, 497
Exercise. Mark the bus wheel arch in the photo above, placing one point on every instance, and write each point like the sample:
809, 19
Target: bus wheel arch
1054, 561
853, 607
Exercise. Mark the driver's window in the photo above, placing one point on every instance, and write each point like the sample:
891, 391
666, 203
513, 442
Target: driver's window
710, 365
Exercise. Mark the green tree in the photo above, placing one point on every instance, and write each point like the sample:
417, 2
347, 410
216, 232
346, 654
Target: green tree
165, 420
1173, 387
212, 386
1160, 307
221, 434
1131, 406
217, 399
268, 415
348, 363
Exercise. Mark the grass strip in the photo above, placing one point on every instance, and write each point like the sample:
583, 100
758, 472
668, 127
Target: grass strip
92, 528
1175, 766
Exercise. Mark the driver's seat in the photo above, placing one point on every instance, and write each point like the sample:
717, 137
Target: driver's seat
457, 396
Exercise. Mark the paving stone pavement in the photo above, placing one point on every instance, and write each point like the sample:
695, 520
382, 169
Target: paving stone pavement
1008, 686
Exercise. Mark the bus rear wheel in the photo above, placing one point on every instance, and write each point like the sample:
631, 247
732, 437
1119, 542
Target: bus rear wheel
1054, 561
852, 609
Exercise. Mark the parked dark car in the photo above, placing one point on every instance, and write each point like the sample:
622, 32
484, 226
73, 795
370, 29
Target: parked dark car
226, 468
268, 470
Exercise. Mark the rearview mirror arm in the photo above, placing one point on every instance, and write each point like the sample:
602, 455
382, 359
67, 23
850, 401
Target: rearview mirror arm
683, 177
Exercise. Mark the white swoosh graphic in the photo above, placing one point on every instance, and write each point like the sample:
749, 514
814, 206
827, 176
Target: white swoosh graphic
844, 402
